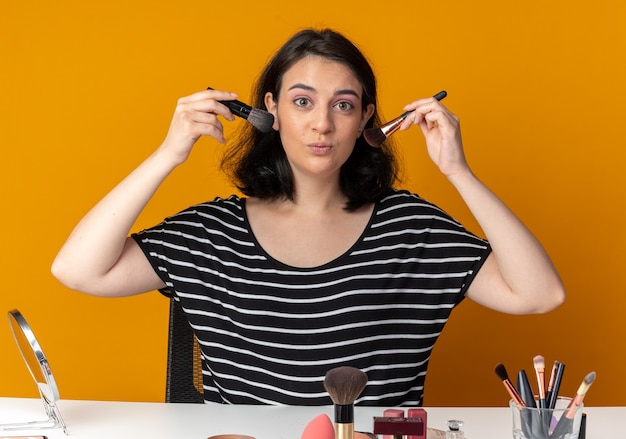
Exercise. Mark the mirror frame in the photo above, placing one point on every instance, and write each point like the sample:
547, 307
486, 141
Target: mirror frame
48, 389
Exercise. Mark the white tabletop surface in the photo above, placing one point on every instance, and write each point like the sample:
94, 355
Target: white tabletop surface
120, 420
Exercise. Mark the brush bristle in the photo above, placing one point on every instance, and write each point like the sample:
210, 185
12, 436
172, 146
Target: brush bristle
374, 137
501, 372
261, 119
587, 382
539, 362
344, 384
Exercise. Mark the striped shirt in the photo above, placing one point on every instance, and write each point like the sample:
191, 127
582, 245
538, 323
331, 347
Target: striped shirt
269, 332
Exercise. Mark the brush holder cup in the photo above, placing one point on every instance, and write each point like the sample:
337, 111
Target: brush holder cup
560, 422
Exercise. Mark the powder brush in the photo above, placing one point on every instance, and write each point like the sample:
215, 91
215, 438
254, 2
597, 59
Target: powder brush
376, 136
344, 384
261, 119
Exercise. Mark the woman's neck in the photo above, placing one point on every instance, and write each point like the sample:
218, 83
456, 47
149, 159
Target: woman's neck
319, 196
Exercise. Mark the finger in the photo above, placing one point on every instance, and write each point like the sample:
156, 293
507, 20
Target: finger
207, 106
433, 119
217, 95
193, 124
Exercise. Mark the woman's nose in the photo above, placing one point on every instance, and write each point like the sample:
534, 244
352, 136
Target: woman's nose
322, 120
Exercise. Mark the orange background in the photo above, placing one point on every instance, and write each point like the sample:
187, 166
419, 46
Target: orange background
88, 89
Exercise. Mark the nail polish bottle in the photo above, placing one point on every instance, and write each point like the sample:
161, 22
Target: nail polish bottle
454, 430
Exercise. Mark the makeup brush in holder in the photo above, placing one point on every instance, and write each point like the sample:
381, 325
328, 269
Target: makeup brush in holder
376, 136
344, 384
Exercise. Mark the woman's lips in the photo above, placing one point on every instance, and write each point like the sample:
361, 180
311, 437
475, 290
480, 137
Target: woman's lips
319, 148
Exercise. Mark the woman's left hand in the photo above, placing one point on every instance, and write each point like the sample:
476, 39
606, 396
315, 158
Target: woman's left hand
442, 131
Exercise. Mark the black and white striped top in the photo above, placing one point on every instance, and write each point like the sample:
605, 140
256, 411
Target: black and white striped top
270, 332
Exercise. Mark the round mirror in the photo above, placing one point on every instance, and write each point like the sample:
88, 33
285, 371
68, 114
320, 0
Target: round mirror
33, 356
39, 369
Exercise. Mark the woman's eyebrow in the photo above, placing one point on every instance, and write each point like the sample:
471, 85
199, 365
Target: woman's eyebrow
346, 91
301, 86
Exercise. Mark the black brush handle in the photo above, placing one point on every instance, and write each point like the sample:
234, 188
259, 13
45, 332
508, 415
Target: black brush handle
393, 125
442, 94
558, 379
523, 386
236, 107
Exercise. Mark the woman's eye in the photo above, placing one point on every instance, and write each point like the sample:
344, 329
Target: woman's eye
301, 102
344, 106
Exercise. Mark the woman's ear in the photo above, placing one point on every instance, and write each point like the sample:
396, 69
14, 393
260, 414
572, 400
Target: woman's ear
367, 114
271, 106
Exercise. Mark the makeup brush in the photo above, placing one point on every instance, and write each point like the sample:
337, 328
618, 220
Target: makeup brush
261, 119
558, 378
550, 387
540, 367
344, 384
376, 136
564, 425
504, 376
580, 393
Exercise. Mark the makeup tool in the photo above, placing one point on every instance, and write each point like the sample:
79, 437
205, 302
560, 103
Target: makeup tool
261, 119
320, 427
523, 386
344, 384
551, 384
504, 376
558, 378
376, 136
540, 367
564, 424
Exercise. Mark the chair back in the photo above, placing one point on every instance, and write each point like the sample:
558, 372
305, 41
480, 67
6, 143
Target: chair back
184, 363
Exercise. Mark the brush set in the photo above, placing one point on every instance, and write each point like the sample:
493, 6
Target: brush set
539, 412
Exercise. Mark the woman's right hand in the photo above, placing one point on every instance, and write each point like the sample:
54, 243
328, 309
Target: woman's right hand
196, 115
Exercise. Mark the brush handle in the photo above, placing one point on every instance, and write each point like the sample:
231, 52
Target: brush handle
442, 94
558, 378
392, 126
236, 107
523, 386
344, 431
344, 421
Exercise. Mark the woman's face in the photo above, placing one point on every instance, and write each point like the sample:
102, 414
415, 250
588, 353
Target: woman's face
319, 115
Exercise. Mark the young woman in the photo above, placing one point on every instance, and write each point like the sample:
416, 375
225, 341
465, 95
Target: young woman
323, 262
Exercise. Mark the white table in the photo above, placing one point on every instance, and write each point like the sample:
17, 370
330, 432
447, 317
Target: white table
120, 420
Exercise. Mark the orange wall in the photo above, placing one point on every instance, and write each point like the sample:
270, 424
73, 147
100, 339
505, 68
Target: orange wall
88, 89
